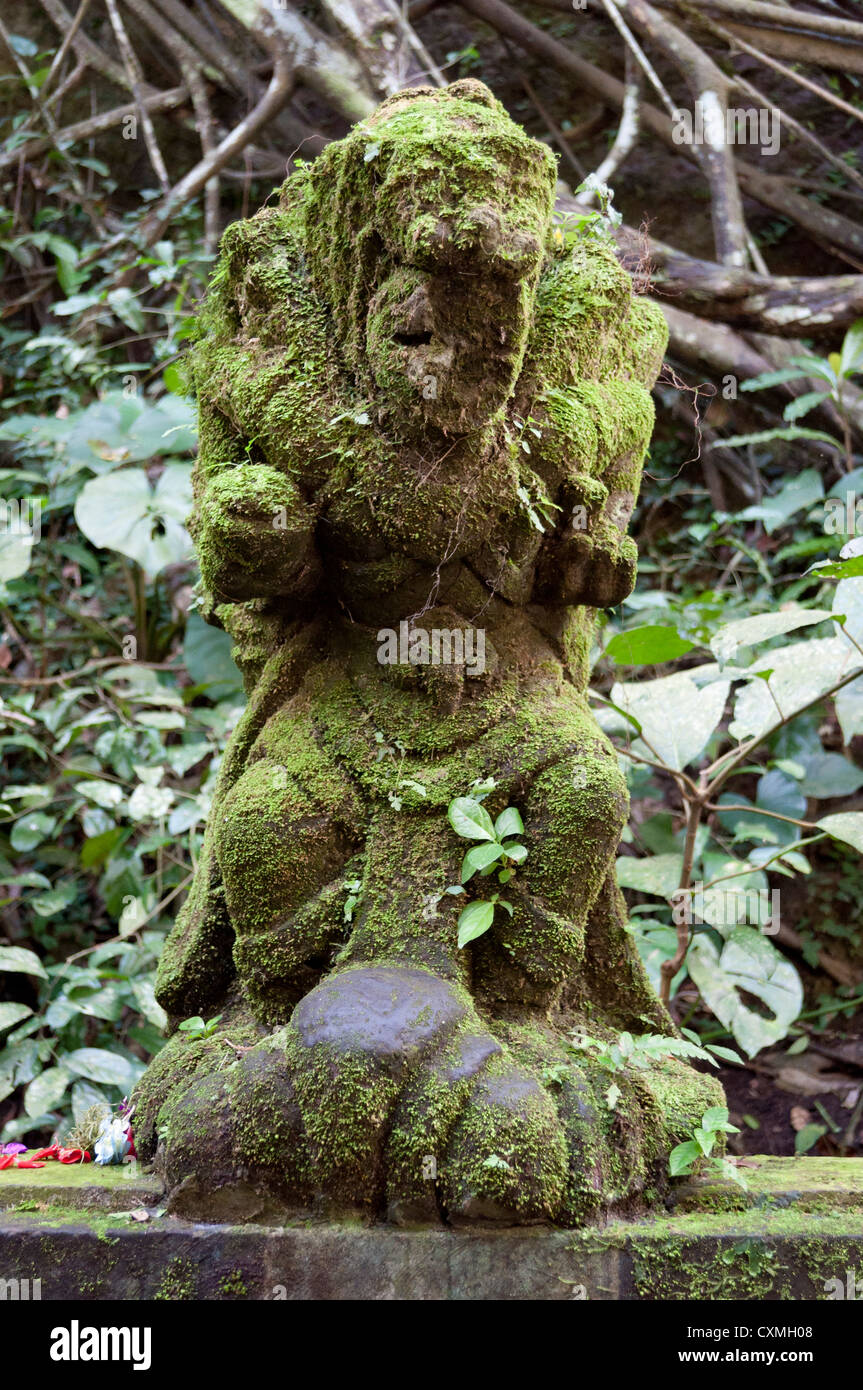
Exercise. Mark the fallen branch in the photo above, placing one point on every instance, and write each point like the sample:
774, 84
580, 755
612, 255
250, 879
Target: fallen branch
779, 16
297, 44
839, 232
278, 92
787, 306
135, 78
710, 89
802, 48
94, 125
626, 137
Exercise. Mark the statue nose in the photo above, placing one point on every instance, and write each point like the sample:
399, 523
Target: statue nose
483, 233
481, 240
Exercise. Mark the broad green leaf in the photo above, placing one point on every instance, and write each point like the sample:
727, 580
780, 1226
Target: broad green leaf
124, 303
470, 820
16, 550
790, 433
517, 853
105, 794
747, 964
29, 879
10, 1014
162, 719
749, 632
734, 900
146, 1000
207, 654
682, 1157
189, 812
801, 490
807, 1137
800, 673
829, 774
851, 356
150, 803
647, 646
846, 826
120, 511
19, 960
100, 847
49, 904
509, 822
475, 919
676, 714
479, 858
705, 1139
84, 1096
32, 830
97, 1064
658, 875
46, 1090
766, 380
801, 405
850, 568
848, 604
716, 1117
23, 46
848, 703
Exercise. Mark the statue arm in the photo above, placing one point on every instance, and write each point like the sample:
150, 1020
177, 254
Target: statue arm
595, 438
253, 529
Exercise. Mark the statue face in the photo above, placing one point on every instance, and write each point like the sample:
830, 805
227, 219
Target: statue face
448, 324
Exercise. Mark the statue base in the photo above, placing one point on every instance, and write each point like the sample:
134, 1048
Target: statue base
102, 1234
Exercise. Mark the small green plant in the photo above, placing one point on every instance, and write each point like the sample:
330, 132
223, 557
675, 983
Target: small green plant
695, 1156
570, 226
354, 887
196, 1028
835, 371
637, 1053
499, 852
391, 749
540, 509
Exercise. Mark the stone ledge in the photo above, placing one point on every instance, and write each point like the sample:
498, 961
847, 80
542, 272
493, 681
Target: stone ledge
801, 1226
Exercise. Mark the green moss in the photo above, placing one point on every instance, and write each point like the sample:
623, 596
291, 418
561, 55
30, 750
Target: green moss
179, 1281
233, 1285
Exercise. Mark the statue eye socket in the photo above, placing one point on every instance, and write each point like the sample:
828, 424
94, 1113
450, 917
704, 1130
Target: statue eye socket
413, 339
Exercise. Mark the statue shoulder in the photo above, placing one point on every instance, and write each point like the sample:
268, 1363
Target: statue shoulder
588, 323
261, 290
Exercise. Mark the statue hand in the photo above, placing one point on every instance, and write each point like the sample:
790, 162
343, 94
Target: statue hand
255, 535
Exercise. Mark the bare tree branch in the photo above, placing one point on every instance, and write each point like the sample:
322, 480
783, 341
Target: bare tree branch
94, 125
710, 89
627, 133
278, 92
315, 58
135, 78
59, 56
786, 306
779, 16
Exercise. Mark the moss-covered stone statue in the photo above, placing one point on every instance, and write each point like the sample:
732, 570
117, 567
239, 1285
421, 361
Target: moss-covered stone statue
422, 422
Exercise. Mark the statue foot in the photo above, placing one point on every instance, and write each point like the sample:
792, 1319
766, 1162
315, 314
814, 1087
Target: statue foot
387, 1094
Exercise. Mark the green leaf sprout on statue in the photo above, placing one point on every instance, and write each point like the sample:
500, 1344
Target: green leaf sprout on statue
638, 1053
695, 1156
353, 886
499, 852
197, 1029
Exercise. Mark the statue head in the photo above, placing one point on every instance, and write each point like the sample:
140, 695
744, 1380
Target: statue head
425, 231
